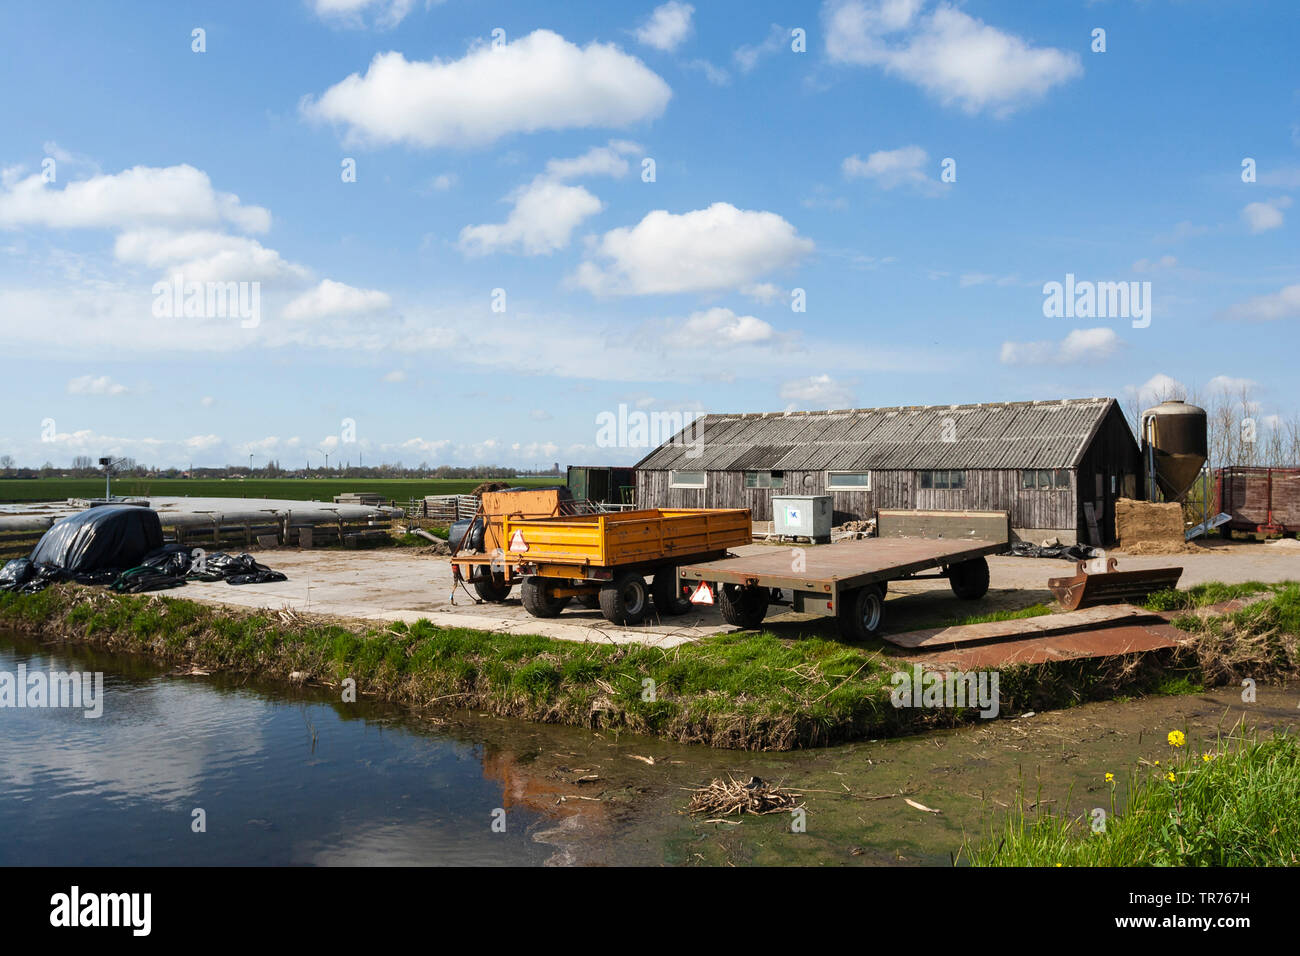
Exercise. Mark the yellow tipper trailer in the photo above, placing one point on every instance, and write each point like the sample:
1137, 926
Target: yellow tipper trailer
603, 559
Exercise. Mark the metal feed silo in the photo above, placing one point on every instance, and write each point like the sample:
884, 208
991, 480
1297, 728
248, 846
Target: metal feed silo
1174, 447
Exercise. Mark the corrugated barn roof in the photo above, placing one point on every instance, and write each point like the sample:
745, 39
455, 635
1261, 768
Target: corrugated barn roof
1006, 435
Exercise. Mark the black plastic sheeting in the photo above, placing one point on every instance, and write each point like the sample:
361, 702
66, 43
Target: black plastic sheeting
1066, 552
172, 566
113, 536
121, 546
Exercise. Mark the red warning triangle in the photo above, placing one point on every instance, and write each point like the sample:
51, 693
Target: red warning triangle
703, 594
517, 542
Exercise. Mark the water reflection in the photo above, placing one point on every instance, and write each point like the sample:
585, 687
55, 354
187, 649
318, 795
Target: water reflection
308, 781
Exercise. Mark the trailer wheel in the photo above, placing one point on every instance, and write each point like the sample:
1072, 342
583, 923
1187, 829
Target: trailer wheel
861, 612
492, 588
969, 579
539, 599
626, 600
743, 607
667, 596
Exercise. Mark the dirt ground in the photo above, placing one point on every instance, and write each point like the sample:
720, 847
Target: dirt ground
400, 585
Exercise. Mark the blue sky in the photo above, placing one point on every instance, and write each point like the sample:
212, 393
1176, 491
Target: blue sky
519, 164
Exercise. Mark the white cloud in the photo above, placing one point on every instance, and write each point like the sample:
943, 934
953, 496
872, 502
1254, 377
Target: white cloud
1156, 389
202, 256
1283, 304
395, 376
723, 327
954, 57
894, 167
353, 13
713, 249
817, 391
174, 196
1183, 230
201, 443
598, 161
1080, 345
546, 211
332, 298
971, 279
714, 74
667, 27
1149, 265
543, 218
1283, 177
207, 401
538, 82
1263, 216
95, 385
764, 292
85, 318
747, 57
1234, 386
443, 181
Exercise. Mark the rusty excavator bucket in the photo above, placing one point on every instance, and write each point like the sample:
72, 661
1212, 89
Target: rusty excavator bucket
1097, 582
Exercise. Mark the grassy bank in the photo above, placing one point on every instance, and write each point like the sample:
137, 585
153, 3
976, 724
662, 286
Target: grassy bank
1232, 805
743, 690
1261, 640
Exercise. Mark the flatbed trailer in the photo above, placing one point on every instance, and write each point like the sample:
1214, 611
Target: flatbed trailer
847, 580
603, 559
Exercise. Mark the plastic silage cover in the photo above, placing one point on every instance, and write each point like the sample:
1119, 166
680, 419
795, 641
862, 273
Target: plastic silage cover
108, 537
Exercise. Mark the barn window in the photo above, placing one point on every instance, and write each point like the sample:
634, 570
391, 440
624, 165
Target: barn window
848, 480
764, 479
943, 479
686, 479
1045, 478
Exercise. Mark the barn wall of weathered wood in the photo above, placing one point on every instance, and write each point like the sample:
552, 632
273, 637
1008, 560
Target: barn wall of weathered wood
986, 489
1111, 468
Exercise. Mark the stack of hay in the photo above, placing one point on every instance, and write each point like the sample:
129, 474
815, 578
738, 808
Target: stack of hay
1146, 527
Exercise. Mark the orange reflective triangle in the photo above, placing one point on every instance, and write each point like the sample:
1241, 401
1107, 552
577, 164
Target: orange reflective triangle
703, 594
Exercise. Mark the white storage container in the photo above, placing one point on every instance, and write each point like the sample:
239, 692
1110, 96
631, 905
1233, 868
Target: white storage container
802, 516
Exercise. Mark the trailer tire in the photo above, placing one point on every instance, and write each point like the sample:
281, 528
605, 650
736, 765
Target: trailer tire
743, 607
626, 600
969, 579
492, 588
667, 595
861, 612
538, 599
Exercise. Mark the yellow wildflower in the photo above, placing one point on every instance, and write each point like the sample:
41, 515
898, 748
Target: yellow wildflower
1170, 776
1176, 738
1110, 778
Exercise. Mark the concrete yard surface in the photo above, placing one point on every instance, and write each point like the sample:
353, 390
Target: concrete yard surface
403, 585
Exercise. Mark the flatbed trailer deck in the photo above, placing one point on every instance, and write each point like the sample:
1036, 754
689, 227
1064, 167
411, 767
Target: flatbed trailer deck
847, 580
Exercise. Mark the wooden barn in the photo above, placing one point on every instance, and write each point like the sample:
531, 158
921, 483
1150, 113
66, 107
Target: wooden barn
1041, 461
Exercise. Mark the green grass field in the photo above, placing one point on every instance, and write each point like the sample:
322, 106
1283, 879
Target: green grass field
296, 489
